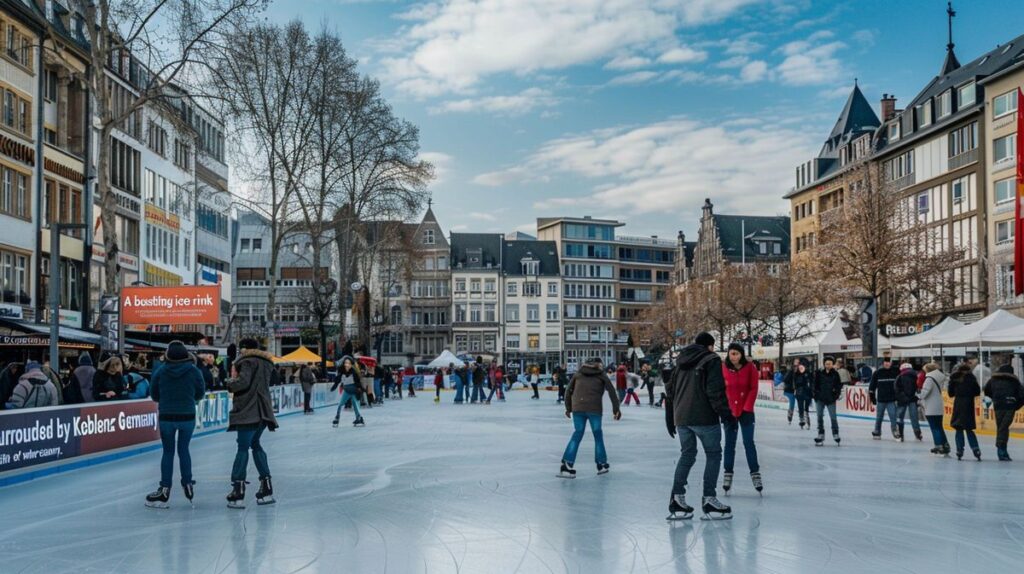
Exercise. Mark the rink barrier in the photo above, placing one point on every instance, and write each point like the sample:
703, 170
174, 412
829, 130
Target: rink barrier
39, 442
855, 403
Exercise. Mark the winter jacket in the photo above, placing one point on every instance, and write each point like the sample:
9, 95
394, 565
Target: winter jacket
586, 391
50, 374
307, 378
438, 380
206, 374
778, 379
740, 387
963, 389
800, 383
844, 376
350, 381
140, 386
787, 382
177, 387
34, 389
1006, 392
931, 394
864, 373
883, 385
478, 376
905, 387
920, 379
83, 375
251, 404
696, 390
620, 378
8, 380
826, 387
104, 382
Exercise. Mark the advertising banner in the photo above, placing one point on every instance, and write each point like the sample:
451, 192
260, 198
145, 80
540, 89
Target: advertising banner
186, 305
985, 417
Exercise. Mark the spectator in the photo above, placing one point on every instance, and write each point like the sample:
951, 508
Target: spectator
82, 376
34, 389
8, 380
55, 379
138, 386
108, 382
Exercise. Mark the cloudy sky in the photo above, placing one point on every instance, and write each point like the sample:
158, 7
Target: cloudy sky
637, 109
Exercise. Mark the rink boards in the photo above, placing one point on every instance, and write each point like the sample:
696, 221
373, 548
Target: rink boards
855, 402
38, 442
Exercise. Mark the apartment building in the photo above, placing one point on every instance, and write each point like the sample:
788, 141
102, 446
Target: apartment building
646, 267
532, 313
429, 303
476, 298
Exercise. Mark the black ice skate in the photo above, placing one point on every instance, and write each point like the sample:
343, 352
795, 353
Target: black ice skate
265, 495
897, 436
789, 417
189, 489
603, 468
567, 471
755, 477
945, 450
835, 437
335, 423
159, 498
236, 498
876, 435
715, 510
977, 454
959, 454
727, 482
359, 422
820, 439
678, 509
918, 435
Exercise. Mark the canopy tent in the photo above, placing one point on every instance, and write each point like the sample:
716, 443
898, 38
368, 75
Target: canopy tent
826, 336
444, 359
947, 327
300, 355
1001, 327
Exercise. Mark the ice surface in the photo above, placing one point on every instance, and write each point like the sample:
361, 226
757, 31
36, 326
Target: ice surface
444, 488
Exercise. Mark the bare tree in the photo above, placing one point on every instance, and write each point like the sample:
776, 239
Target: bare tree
740, 295
788, 298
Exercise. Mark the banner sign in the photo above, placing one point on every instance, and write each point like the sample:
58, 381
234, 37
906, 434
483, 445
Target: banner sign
186, 305
110, 324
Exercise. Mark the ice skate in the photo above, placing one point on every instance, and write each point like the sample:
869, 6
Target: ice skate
936, 450
876, 436
678, 509
1004, 455
820, 439
755, 477
727, 482
789, 417
359, 422
236, 498
918, 435
265, 495
897, 436
189, 489
944, 450
437, 399
715, 510
835, 437
977, 454
567, 471
159, 498
335, 423
959, 454
603, 468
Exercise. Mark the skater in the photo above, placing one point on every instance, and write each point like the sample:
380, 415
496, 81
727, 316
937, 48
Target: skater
695, 408
308, 379
741, 390
789, 392
826, 390
558, 377
906, 400
801, 380
460, 383
584, 403
438, 384
1007, 396
882, 391
534, 378
177, 386
648, 383
631, 388
621, 381
497, 384
378, 380
351, 385
33, 389
931, 402
252, 413
478, 375
963, 389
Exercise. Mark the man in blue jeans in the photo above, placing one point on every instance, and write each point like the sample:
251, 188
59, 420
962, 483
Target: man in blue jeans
695, 407
584, 402
882, 392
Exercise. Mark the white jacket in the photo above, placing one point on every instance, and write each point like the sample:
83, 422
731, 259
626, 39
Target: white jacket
930, 394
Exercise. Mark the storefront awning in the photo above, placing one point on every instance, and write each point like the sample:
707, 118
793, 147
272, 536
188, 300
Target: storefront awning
14, 333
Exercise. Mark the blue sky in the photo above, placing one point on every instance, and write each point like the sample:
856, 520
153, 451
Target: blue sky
637, 109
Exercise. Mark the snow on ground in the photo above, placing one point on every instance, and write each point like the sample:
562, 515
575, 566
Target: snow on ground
468, 489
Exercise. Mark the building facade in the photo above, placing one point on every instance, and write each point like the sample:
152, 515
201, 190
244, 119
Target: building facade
532, 284
476, 266
738, 239
646, 267
429, 304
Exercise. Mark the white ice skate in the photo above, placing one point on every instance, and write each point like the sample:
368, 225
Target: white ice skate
715, 510
678, 509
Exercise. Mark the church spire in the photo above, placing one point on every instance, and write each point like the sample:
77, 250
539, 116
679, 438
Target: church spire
951, 62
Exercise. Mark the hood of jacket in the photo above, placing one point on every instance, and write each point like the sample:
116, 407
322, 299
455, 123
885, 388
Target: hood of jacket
84, 360
1006, 377
691, 355
908, 371
35, 376
253, 353
591, 369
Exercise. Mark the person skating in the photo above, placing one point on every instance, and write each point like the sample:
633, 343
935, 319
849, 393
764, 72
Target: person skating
459, 376
934, 407
176, 387
534, 377
906, 400
648, 383
741, 390
558, 377
631, 385
826, 390
438, 384
621, 381
801, 380
252, 413
963, 389
882, 392
307, 379
1007, 395
350, 381
478, 375
695, 408
785, 376
584, 404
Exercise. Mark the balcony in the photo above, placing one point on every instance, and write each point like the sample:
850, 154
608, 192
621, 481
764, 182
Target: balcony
653, 241
905, 181
964, 159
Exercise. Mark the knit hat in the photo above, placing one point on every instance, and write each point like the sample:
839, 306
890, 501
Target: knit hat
32, 366
248, 343
1007, 369
704, 339
176, 351
906, 366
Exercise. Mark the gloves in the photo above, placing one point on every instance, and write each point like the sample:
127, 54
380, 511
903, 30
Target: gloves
670, 422
729, 421
873, 401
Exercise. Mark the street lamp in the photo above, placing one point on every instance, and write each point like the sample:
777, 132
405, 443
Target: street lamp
55, 229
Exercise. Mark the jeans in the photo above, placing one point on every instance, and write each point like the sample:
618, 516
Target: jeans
579, 423
250, 439
345, 398
804, 405
820, 408
458, 389
622, 394
536, 392
746, 425
183, 430
1003, 420
938, 433
478, 393
650, 392
376, 390
496, 389
901, 412
305, 401
711, 440
561, 391
792, 402
971, 438
880, 412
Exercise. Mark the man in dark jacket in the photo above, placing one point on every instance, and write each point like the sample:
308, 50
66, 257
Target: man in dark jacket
9, 379
826, 389
252, 412
478, 375
882, 391
307, 379
695, 407
905, 390
1007, 396
584, 403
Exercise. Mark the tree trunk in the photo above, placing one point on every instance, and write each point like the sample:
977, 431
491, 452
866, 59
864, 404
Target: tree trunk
108, 217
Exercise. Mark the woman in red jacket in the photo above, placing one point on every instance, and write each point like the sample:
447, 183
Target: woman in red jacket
741, 391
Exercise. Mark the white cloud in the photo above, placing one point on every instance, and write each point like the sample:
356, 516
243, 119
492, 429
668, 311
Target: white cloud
515, 104
682, 55
530, 228
864, 38
627, 63
733, 62
442, 163
482, 216
754, 71
641, 77
812, 61
454, 44
671, 165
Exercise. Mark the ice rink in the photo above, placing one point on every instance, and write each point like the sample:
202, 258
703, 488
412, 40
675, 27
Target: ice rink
468, 489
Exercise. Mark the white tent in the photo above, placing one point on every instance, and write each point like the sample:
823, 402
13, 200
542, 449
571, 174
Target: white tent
444, 359
1001, 323
947, 327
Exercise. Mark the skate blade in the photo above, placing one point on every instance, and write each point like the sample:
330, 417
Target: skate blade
236, 505
600, 472
266, 501
710, 518
158, 505
566, 476
679, 516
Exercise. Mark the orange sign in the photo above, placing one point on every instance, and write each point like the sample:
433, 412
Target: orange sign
187, 305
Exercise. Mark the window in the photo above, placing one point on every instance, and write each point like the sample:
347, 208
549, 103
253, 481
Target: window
552, 312
14, 278
490, 286
442, 263
578, 231
552, 289
924, 114
474, 313
944, 104
125, 167
156, 138
14, 194
1004, 232
533, 313
1004, 104
762, 247
512, 288
922, 203
17, 113
531, 289
210, 220
530, 267
257, 245
490, 313
188, 253
474, 285
245, 246
894, 131
512, 313
428, 237
1004, 149
460, 312
963, 139
958, 191
965, 96
182, 154
533, 341
1004, 190
512, 341
396, 315
900, 166
460, 285
18, 47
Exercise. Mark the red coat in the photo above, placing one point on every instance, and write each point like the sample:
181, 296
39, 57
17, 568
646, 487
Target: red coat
620, 379
740, 388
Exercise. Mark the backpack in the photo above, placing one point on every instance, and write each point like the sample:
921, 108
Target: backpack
38, 396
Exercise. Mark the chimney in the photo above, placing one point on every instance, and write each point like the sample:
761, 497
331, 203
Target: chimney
888, 107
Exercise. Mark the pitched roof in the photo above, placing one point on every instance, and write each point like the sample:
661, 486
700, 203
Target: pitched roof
476, 251
857, 115
546, 252
737, 233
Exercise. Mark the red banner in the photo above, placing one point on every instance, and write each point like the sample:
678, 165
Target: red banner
1018, 238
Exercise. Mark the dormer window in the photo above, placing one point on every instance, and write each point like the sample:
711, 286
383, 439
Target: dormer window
428, 237
530, 267
944, 104
965, 95
924, 114
894, 131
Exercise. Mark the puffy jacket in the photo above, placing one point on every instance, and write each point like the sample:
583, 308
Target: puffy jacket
827, 386
883, 385
104, 382
963, 389
905, 387
696, 389
177, 387
250, 401
307, 378
1006, 392
799, 382
34, 389
740, 387
931, 394
586, 391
